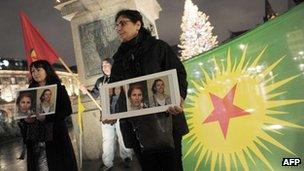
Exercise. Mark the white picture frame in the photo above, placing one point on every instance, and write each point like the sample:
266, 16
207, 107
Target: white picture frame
35, 96
131, 107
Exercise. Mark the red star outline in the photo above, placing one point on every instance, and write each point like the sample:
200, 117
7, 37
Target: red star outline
224, 109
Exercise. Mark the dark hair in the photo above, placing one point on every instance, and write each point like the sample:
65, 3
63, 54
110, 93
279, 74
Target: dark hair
135, 86
121, 90
153, 88
51, 76
25, 94
134, 16
122, 94
42, 94
109, 60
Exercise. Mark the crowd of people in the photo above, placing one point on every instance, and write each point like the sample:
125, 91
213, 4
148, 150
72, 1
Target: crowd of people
139, 54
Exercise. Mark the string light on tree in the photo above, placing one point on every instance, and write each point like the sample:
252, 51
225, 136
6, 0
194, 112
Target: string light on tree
196, 34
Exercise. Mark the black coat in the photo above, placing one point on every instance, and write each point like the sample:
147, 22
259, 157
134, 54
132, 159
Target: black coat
100, 81
121, 103
145, 55
60, 153
59, 149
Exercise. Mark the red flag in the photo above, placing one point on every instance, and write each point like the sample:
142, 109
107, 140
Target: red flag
36, 48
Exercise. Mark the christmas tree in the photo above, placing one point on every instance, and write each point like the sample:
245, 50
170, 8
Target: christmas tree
196, 34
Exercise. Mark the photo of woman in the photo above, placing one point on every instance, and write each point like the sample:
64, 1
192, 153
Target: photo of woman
25, 104
152, 93
136, 96
118, 100
159, 96
46, 104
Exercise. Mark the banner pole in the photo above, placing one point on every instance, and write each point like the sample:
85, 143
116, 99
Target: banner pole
89, 94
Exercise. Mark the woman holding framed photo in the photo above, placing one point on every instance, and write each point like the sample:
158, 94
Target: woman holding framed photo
138, 55
54, 140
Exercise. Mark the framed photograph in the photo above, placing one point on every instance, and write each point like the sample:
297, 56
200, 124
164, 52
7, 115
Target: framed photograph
144, 95
35, 100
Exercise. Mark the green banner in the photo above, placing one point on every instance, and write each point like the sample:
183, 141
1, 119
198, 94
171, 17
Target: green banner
245, 103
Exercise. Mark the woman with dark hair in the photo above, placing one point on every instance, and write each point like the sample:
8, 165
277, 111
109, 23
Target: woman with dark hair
118, 100
141, 54
45, 105
136, 97
24, 104
55, 138
159, 97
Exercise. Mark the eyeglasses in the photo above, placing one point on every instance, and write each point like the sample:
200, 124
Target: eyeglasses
121, 23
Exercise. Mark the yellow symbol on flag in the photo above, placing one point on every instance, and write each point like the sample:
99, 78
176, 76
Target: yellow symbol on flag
223, 139
81, 109
33, 55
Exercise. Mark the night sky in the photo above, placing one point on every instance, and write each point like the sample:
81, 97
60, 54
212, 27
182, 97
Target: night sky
225, 16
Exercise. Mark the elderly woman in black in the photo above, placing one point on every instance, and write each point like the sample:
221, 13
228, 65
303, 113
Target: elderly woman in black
58, 147
141, 54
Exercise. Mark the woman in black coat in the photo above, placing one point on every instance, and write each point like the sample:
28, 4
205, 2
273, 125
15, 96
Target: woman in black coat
58, 147
141, 54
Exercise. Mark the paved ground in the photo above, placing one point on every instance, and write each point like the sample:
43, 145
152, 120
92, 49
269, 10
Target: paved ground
10, 151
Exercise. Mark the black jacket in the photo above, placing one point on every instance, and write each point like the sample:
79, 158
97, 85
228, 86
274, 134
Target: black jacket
60, 153
145, 55
121, 104
100, 81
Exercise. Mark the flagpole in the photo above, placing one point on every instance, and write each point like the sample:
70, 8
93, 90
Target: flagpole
80, 151
88, 93
33, 40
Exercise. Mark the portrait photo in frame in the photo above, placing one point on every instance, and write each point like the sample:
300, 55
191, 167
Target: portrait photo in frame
144, 95
40, 100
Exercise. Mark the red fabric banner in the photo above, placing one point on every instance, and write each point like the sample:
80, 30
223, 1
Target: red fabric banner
36, 47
